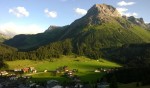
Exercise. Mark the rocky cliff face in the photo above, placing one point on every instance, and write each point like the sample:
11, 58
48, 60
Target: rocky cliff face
137, 21
101, 13
103, 10
98, 14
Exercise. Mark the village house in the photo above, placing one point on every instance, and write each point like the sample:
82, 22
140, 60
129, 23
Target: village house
97, 71
16, 70
65, 68
45, 70
26, 70
53, 84
34, 71
31, 69
78, 85
13, 77
62, 69
102, 85
3, 73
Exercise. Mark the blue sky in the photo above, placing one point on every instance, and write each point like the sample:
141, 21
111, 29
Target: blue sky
34, 16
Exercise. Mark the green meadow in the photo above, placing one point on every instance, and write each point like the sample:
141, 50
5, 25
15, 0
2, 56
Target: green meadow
84, 65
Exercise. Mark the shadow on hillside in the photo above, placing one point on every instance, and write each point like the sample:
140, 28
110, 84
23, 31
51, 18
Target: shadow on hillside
87, 77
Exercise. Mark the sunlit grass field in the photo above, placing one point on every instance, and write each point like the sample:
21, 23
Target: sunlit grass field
84, 65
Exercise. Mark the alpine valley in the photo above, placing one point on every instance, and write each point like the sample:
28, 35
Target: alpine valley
102, 33
94, 35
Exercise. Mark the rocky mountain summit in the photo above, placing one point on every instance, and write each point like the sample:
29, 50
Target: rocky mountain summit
103, 10
98, 14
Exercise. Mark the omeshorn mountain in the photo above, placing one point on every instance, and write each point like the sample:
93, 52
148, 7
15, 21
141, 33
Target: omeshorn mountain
101, 27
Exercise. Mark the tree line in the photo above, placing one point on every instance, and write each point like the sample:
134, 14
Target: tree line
128, 55
53, 50
139, 75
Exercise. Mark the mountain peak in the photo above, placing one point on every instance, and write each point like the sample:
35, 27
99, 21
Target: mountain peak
98, 14
104, 10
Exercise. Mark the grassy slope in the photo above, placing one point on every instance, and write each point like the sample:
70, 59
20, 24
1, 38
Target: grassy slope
6, 49
111, 35
82, 63
85, 66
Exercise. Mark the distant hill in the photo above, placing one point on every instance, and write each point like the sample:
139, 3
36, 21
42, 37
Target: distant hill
6, 51
31, 42
3, 37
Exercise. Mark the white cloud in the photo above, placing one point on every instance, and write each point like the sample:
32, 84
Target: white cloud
19, 12
123, 11
147, 22
52, 14
14, 29
80, 11
131, 14
123, 3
